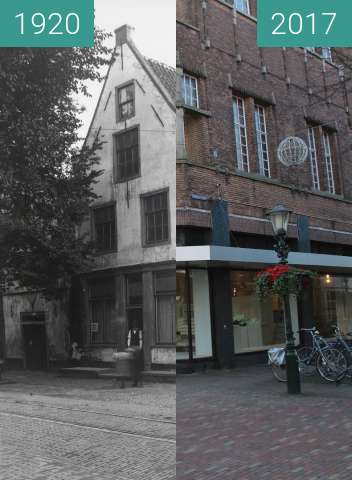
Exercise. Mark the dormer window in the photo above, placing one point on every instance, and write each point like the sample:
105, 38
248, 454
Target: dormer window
125, 102
190, 91
242, 6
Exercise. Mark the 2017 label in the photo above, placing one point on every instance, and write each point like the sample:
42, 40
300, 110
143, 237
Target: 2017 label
302, 23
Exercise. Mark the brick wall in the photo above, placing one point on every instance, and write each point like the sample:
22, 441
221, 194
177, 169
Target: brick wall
296, 88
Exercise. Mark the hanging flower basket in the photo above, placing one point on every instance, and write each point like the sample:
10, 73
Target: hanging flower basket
283, 280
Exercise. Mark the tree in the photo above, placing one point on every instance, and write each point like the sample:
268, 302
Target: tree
46, 179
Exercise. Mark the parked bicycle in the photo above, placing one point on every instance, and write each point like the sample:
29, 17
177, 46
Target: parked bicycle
330, 363
343, 342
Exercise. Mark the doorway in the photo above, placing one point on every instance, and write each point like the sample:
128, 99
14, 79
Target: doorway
34, 341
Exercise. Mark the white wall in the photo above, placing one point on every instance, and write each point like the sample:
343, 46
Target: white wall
157, 157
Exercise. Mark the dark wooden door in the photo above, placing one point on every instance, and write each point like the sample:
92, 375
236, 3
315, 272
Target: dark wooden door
35, 348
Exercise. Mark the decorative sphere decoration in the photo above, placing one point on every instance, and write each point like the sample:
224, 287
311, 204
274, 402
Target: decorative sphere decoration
292, 151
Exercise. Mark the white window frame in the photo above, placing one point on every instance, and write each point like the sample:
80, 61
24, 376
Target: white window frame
313, 158
241, 140
262, 141
326, 53
242, 6
328, 162
188, 90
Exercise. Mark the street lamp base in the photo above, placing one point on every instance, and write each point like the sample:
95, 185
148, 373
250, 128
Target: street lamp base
293, 378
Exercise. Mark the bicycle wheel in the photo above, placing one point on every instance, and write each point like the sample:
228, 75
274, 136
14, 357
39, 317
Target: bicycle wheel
331, 364
306, 363
279, 372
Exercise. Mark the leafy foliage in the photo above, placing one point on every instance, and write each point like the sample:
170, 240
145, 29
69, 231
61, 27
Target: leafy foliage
283, 280
46, 180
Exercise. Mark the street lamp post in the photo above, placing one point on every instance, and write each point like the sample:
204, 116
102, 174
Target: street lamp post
279, 217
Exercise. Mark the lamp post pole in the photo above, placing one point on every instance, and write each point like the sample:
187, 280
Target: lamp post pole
279, 217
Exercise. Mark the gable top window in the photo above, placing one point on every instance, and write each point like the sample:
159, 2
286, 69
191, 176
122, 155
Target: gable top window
190, 91
242, 6
125, 102
127, 164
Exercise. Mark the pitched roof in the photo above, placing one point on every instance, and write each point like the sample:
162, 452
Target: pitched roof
166, 75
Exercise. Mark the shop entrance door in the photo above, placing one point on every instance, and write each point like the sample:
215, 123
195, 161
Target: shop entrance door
34, 341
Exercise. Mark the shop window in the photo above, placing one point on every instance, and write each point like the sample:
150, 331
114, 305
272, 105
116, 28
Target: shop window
258, 323
190, 91
102, 307
127, 162
240, 127
134, 301
155, 210
328, 161
313, 158
262, 141
193, 322
242, 6
105, 228
125, 102
332, 303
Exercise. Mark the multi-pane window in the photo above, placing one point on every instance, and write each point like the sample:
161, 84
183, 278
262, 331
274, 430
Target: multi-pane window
313, 159
262, 141
239, 116
242, 6
105, 228
125, 102
127, 155
101, 307
190, 91
328, 162
156, 218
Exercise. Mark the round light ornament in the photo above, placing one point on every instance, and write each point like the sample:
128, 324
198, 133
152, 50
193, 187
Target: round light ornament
292, 151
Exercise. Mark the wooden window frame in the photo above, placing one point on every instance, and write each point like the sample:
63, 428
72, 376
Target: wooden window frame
137, 174
119, 117
143, 197
94, 229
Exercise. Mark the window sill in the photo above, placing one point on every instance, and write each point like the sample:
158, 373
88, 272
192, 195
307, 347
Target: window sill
194, 110
104, 252
193, 27
117, 181
159, 244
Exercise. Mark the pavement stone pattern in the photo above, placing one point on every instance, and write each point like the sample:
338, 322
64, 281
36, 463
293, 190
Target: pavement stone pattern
54, 428
242, 425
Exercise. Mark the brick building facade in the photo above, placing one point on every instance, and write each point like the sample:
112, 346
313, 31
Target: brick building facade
236, 103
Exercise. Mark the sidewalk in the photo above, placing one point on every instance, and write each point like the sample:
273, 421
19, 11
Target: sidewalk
85, 429
241, 425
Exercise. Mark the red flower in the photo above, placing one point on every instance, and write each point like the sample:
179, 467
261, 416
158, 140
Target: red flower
277, 271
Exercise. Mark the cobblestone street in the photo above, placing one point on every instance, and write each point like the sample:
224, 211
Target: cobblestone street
54, 428
241, 425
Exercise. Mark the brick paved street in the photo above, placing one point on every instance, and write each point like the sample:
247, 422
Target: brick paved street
241, 425
54, 428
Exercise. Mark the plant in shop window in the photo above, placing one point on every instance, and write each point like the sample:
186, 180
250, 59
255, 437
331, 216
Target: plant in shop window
283, 280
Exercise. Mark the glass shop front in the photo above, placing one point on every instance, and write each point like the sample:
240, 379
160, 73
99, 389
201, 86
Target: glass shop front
258, 324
